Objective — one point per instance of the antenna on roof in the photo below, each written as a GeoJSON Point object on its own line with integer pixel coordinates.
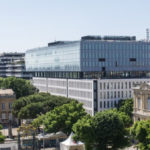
{"type": "Point", "coordinates": [147, 35]}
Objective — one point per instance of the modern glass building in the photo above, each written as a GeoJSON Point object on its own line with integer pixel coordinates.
{"type": "Point", "coordinates": [91, 70]}
{"type": "Point", "coordinates": [91, 57]}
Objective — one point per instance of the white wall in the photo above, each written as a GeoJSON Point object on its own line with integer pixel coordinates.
{"type": "Point", "coordinates": [112, 90]}
{"type": "Point", "coordinates": [109, 91]}
{"type": "Point", "coordinates": [81, 90]}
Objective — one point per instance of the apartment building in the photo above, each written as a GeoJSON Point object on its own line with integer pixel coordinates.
{"type": "Point", "coordinates": [13, 64]}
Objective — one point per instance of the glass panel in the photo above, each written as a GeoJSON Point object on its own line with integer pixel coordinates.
{"type": "Point", "coordinates": [61, 57]}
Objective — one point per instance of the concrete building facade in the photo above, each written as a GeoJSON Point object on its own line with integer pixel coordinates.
{"type": "Point", "coordinates": [141, 94]}
{"type": "Point", "coordinates": [7, 97]}
{"type": "Point", "coordinates": [95, 94]}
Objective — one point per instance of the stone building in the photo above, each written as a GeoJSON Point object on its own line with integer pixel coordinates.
{"type": "Point", "coordinates": [7, 97]}
{"type": "Point", "coordinates": [141, 97]}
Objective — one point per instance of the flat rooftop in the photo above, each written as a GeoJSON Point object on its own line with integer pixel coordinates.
{"type": "Point", "coordinates": [6, 92]}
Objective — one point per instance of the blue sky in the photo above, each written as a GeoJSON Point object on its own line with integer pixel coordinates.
{"type": "Point", "coordinates": [25, 24]}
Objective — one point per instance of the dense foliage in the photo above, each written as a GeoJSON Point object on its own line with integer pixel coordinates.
{"type": "Point", "coordinates": [84, 131]}
{"type": "Point", "coordinates": [141, 132]}
{"type": "Point", "coordinates": [30, 106]}
{"type": "Point", "coordinates": [127, 120]}
{"type": "Point", "coordinates": [21, 87]}
{"type": "Point", "coordinates": [2, 137]}
{"type": "Point", "coordinates": [126, 106]}
{"type": "Point", "coordinates": [62, 118]}
{"type": "Point", "coordinates": [104, 129]}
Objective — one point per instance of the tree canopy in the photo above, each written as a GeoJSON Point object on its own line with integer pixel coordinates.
{"type": "Point", "coordinates": [2, 137]}
{"type": "Point", "coordinates": [104, 129]}
{"type": "Point", "coordinates": [62, 118]}
{"type": "Point", "coordinates": [141, 132]}
{"type": "Point", "coordinates": [127, 120]}
{"type": "Point", "coordinates": [126, 106]}
{"type": "Point", "coordinates": [84, 131]}
{"type": "Point", "coordinates": [20, 86]}
{"type": "Point", "coordinates": [30, 106]}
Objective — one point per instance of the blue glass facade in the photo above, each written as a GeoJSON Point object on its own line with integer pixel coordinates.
{"type": "Point", "coordinates": [91, 58]}
{"type": "Point", "coordinates": [115, 55]}
{"type": "Point", "coordinates": [61, 57]}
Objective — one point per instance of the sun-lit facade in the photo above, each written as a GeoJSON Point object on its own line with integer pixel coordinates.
{"type": "Point", "coordinates": [91, 57]}
{"type": "Point", "coordinates": [96, 71]}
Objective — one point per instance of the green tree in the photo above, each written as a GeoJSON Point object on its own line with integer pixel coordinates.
{"type": "Point", "coordinates": [63, 117]}
{"type": "Point", "coordinates": [141, 132]}
{"type": "Point", "coordinates": [84, 131]}
{"type": "Point", "coordinates": [30, 106]}
{"type": "Point", "coordinates": [31, 111]}
{"type": "Point", "coordinates": [126, 106]}
{"type": "Point", "coordinates": [20, 86]}
{"type": "Point", "coordinates": [2, 137]}
{"type": "Point", "coordinates": [27, 100]}
{"type": "Point", "coordinates": [127, 120]}
{"type": "Point", "coordinates": [38, 121]}
{"type": "Point", "coordinates": [104, 129]}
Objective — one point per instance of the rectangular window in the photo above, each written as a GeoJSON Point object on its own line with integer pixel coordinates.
{"type": "Point", "coordinates": [122, 85]}
{"type": "Point", "coordinates": [104, 95]}
{"type": "Point", "coordinates": [139, 103]}
{"type": "Point", "coordinates": [111, 104]}
{"type": "Point", "coordinates": [10, 105]}
{"type": "Point", "coordinates": [100, 95]}
{"type": "Point", "coordinates": [122, 94]}
{"type": "Point", "coordinates": [107, 104]}
{"type": "Point", "coordinates": [118, 85]}
{"type": "Point", "coordinates": [101, 59]}
{"type": "Point", "coordinates": [3, 116]}
{"type": "Point", "coordinates": [114, 85]}
{"type": "Point", "coordinates": [104, 86]}
{"type": "Point", "coordinates": [100, 104]}
{"type": "Point", "coordinates": [3, 106]}
{"type": "Point", "coordinates": [100, 85]}
{"type": "Point", "coordinates": [115, 94]}
{"type": "Point", "coordinates": [126, 85]}
{"type": "Point", "coordinates": [118, 94]}
{"type": "Point", "coordinates": [108, 95]}
{"type": "Point", "coordinates": [111, 94]}
{"type": "Point", "coordinates": [132, 59]}
{"type": "Point", "coordinates": [104, 104]}
{"type": "Point", "coordinates": [129, 85]}
{"type": "Point", "coordinates": [107, 85]}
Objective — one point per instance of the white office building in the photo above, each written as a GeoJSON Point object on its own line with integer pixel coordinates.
{"type": "Point", "coordinates": [95, 94]}
{"type": "Point", "coordinates": [97, 71]}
